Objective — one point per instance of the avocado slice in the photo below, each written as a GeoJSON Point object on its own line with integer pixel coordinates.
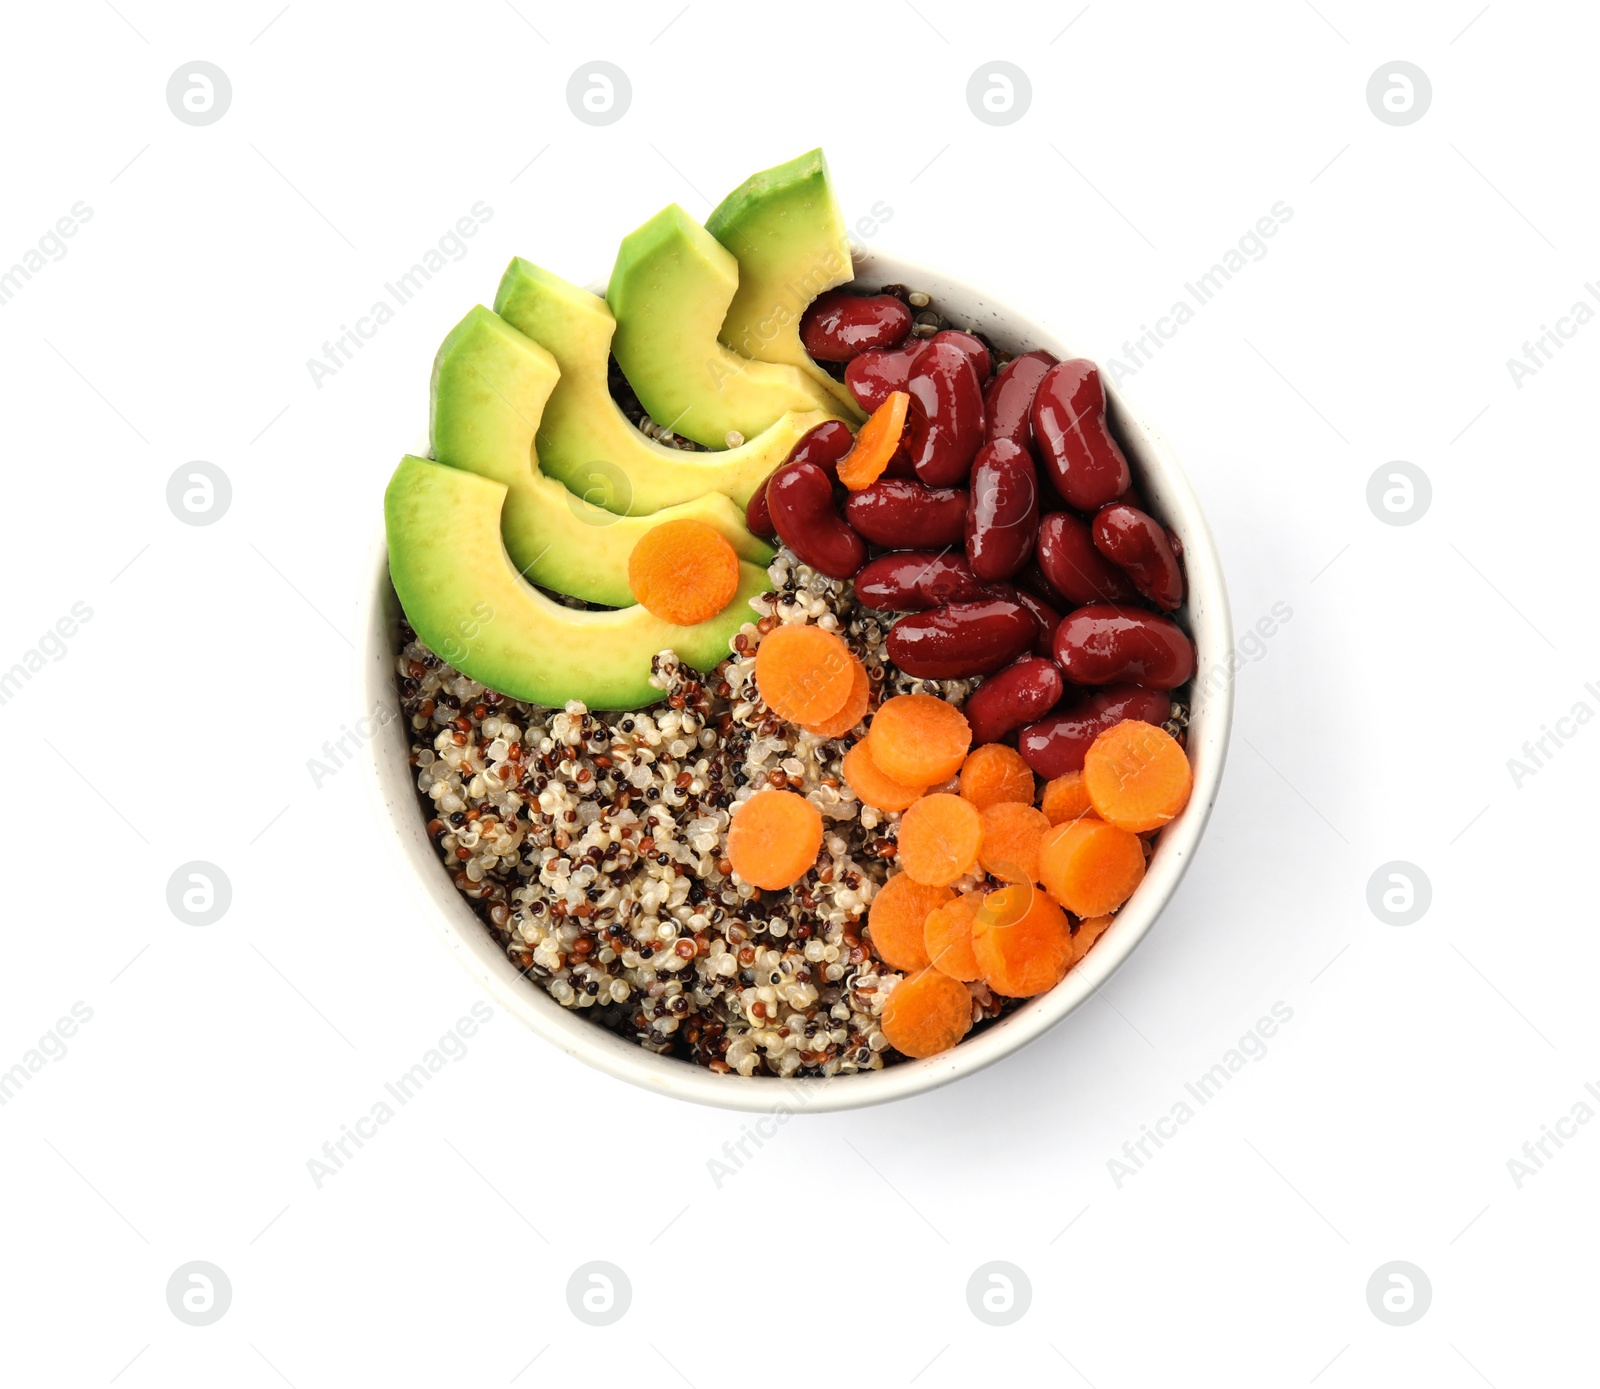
{"type": "Point", "coordinates": [670, 290]}
{"type": "Point", "coordinates": [468, 603]}
{"type": "Point", "coordinates": [490, 384]}
{"type": "Point", "coordinates": [587, 442]}
{"type": "Point", "coordinates": [785, 229]}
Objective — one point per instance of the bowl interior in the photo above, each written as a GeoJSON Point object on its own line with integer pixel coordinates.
{"type": "Point", "coordinates": [1204, 614]}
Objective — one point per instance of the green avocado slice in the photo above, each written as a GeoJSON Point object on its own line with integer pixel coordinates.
{"type": "Point", "coordinates": [785, 229]}
{"type": "Point", "coordinates": [490, 385]}
{"type": "Point", "coordinates": [469, 605]}
{"type": "Point", "coordinates": [584, 438]}
{"type": "Point", "coordinates": [670, 290]}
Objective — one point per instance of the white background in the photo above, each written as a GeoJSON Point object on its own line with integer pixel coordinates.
{"type": "Point", "coordinates": [1376, 726]}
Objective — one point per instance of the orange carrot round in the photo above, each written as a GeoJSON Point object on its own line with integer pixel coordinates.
{"type": "Point", "coordinates": [897, 918]}
{"type": "Point", "coordinates": [863, 776]}
{"type": "Point", "coordinates": [875, 444]}
{"type": "Point", "coordinates": [1021, 941]}
{"type": "Point", "coordinates": [1011, 837]}
{"type": "Point", "coordinates": [773, 838]}
{"type": "Point", "coordinates": [947, 934]}
{"type": "Point", "coordinates": [918, 739]}
{"type": "Point", "coordinates": [994, 772]}
{"type": "Point", "coordinates": [939, 838]}
{"type": "Point", "coordinates": [803, 673]}
{"type": "Point", "coordinates": [683, 572]}
{"type": "Point", "coordinates": [1064, 798]}
{"type": "Point", "coordinates": [854, 708]}
{"type": "Point", "coordinates": [1137, 776]}
{"type": "Point", "coordinates": [927, 1013]}
{"type": "Point", "coordinates": [1090, 867]}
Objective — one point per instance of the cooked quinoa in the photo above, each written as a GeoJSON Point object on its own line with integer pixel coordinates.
{"type": "Point", "coordinates": [594, 846]}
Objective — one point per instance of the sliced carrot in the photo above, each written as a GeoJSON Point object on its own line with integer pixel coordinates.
{"type": "Point", "coordinates": [994, 772]}
{"type": "Point", "coordinates": [1090, 867]}
{"type": "Point", "coordinates": [683, 572]}
{"type": "Point", "coordinates": [927, 1013]}
{"type": "Point", "coordinates": [896, 919]}
{"type": "Point", "coordinates": [939, 838]}
{"type": "Point", "coordinates": [803, 673]}
{"type": "Point", "coordinates": [1011, 837]}
{"type": "Point", "coordinates": [1021, 941]}
{"type": "Point", "coordinates": [875, 444]}
{"type": "Point", "coordinates": [1137, 776]}
{"type": "Point", "coordinates": [863, 776]}
{"type": "Point", "coordinates": [773, 838]}
{"type": "Point", "coordinates": [855, 705]}
{"type": "Point", "coordinates": [947, 934]}
{"type": "Point", "coordinates": [919, 739]}
{"type": "Point", "coordinates": [1086, 933]}
{"type": "Point", "coordinates": [1064, 799]}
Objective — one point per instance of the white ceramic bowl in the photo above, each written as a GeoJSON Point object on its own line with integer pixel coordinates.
{"type": "Point", "coordinates": [1205, 615]}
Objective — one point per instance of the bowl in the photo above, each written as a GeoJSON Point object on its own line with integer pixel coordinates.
{"type": "Point", "coordinates": [1204, 614]}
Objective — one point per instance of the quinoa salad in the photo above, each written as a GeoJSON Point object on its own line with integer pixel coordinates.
{"type": "Point", "coordinates": [820, 728]}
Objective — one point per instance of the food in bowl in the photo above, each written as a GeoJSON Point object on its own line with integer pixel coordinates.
{"type": "Point", "coordinates": [793, 676]}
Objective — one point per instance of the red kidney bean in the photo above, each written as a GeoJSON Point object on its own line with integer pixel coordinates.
{"type": "Point", "coordinates": [874, 376]}
{"type": "Point", "coordinates": [1008, 403]}
{"type": "Point", "coordinates": [1069, 427]}
{"type": "Point", "coordinates": [1055, 745]}
{"type": "Point", "coordinates": [801, 501]}
{"type": "Point", "coordinates": [1176, 541]}
{"type": "Point", "coordinates": [902, 514]}
{"type": "Point", "coordinates": [1024, 691]}
{"type": "Point", "coordinates": [1078, 571]}
{"type": "Point", "coordinates": [946, 416]}
{"type": "Point", "coordinates": [961, 639]}
{"type": "Point", "coordinates": [977, 352]}
{"type": "Point", "coordinates": [825, 445]}
{"type": "Point", "coordinates": [1047, 618]}
{"type": "Point", "coordinates": [912, 580]}
{"type": "Point", "coordinates": [840, 325]}
{"type": "Point", "coordinates": [1136, 541]}
{"type": "Point", "coordinates": [1002, 510]}
{"type": "Point", "coordinates": [1105, 643]}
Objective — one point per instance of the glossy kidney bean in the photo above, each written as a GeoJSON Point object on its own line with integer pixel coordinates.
{"type": "Point", "coordinates": [902, 514]}
{"type": "Point", "coordinates": [1136, 542]}
{"type": "Point", "coordinates": [961, 639]}
{"type": "Point", "coordinates": [912, 580]}
{"type": "Point", "coordinates": [1105, 643]}
{"type": "Point", "coordinates": [800, 497]}
{"type": "Point", "coordinates": [1069, 426]}
{"type": "Point", "coordinates": [1055, 745]}
{"type": "Point", "coordinates": [1047, 618]}
{"type": "Point", "coordinates": [975, 348]}
{"type": "Point", "coordinates": [1002, 510]}
{"type": "Point", "coordinates": [825, 445]}
{"type": "Point", "coordinates": [840, 325]}
{"type": "Point", "coordinates": [1008, 403]}
{"type": "Point", "coordinates": [1074, 568]}
{"type": "Point", "coordinates": [945, 424]}
{"type": "Point", "coordinates": [1024, 691]}
{"type": "Point", "coordinates": [874, 376]}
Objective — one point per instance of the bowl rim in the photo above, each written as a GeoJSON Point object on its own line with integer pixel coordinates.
{"type": "Point", "coordinates": [1205, 614]}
